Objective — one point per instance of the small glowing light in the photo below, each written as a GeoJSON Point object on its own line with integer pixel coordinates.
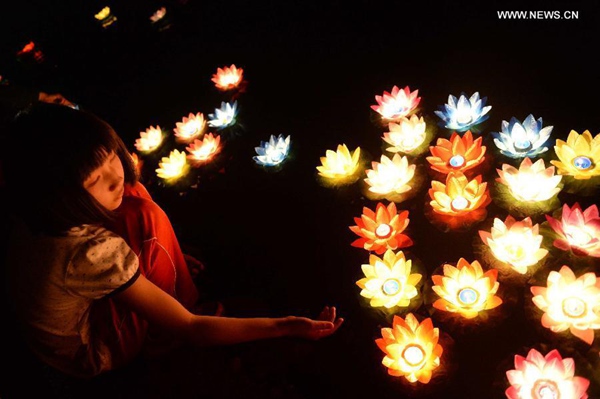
{"type": "Point", "coordinates": [574, 307]}
{"type": "Point", "coordinates": [391, 286]}
{"type": "Point", "coordinates": [523, 144]}
{"type": "Point", "coordinates": [370, 221]}
{"type": "Point", "coordinates": [457, 161]}
{"type": "Point", "coordinates": [578, 230]}
{"type": "Point", "coordinates": [460, 114]}
{"type": "Point", "coordinates": [397, 104]}
{"type": "Point", "coordinates": [459, 203]}
{"type": "Point", "coordinates": [204, 150]}
{"type": "Point", "coordinates": [149, 140]}
{"type": "Point", "coordinates": [457, 154]}
{"type": "Point", "coordinates": [383, 230]}
{"type": "Point", "coordinates": [582, 163]}
{"type": "Point", "coordinates": [105, 17]}
{"type": "Point", "coordinates": [228, 78]}
{"type": "Point", "coordinates": [224, 116]}
{"type": "Point", "coordinates": [158, 15]}
{"type": "Point", "coordinates": [173, 167]}
{"type": "Point", "coordinates": [546, 390]}
{"type": "Point", "coordinates": [576, 156]}
{"type": "Point", "coordinates": [468, 296]}
{"type": "Point", "coordinates": [272, 152]}
{"type": "Point", "coordinates": [413, 355]}
{"type": "Point", "coordinates": [190, 128]}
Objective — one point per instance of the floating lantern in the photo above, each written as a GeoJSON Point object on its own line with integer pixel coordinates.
{"type": "Point", "coordinates": [517, 243]}
{"type": "Point", "coordinates": [228, 78]}
{"type": "Point", "coordinates": [190, 128]}
{"type": "Point", "coordinates": [272, 152]}
{"type": "Point", "coordinates": [224, 116]}
{"type": "Point", "coordinates": [406, 135]}
{"type": "Point", "coordinates": [173, 167]}
{"type": "Point", "coordinates": [339, 164]}
{"type": "Point", "coordinates": [158, 15]}
{"type": "Point", "coordinates": [202, 151]}
{"type": "Point", "coordinates": [531, 182]}
{"type": "Point", "coordinates": [578, 231]}
{"type": "Point", "coordinates": [459, 195]}
{"type": "Point", "coordinates": [397, 104]}
{"type": "Point", "coordinates": [570, 303]}
{"type": "Point", "coordinates": [458, 154]}
{"type": "Point", "coordinates": [466, 289]}
{"type": "Point", "coordinates": [390, 175]}
{"type": "Point", "coordinates": [105, 17]}
{"type": "Point", "coordinates": [579, 156]}
{"type": "Point", "coordinates": [388, 282]}
{"type": "Point", "coordinates": [527, 139]}
{"type": "Point", "coordinates": [32, 50]}
{"type": "Point", "coordinates": [411, 348]}
{"type": "Point", "coordinates": [464, 113]}
{"type": "Point", "coordinates": [149, 140]}
{"type": "Point", "coordinates": [545, 377]}
{"type": "Point", "coordinates": [382, 229]}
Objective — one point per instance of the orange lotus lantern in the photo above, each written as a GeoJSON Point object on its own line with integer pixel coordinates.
{"type": "Point", "coordinates": [388, 281]}
{"type": "Point", "coordinates": [570, 303]}
{"type": "Point", "coordinates": [149, 140]}
{"type": "Point", "coordinates": [390, 175]}
{"type": "Point", "coordinates": [190, 128]}
{"type": "Point", "coordinates": [228, 78]}
{"type": "Point", "coordinates": [406, 135]}
{"type": "Point", "coordinates": [381, 229]}
{"type": "Point", "coordinates": [173, 167]}
{"type": "Point", "coordinates": [532, 182]}
{"type": "Point", "coordinates": [397, 104]}
{"type": "Point", "coordinates": [411, 348]}
{"type": "Point", "coordinates": [459, 195]}
{"type": "Point", "coordinates": [340, 165]}
{"type": "Point", "coordinates": [466, 289]}
{"type": "Point", "coordinates": [202, 151]}
{"type": "Point", "coordinates": [458, 154]}
{"type": "Point", "coordinates": [541, 377]}
{"type": "Point", "coordinates": [517, 243]}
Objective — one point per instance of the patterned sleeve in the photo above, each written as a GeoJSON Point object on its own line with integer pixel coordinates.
{"type": "Point", "coordinates": [103, 264]}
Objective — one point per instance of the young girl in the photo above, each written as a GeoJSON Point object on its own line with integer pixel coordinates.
{"type": "Point", "coordinates": [95, 271]}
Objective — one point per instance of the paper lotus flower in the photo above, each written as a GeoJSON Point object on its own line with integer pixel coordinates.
{"type": "Point", "coordinates": [517, 243]}
{"type": "Point", "coordinates": [272, 152]}
{"type": "Point", "coordinates": [466, 289]}
{"type": "Point", "coordinates": [340, 163]}
{"type": "Point", "coordinates": [158, 15]}
{"type": "Point", "coordinates": [459, 195]}
{"type": "Point", "coordinates": [527, 139]}
{"type": "Point", "coordinates": [382, 229]}
{"type": "Point", "coordinates": [203, 150]}
{"type": "Point", "coordinates": [579, 156]}
{"type": "Point", "coordinates": [228, 78]}
{"type": "Point", "coordinates": [579, 231]}
{"type": "Point", "coordinates": [457, 154]}
{"type": "Point", "coordinates": [463, 113]}
{"type": "Point", "coordinates": [149, 140]}
{"type": "Point", "coordinates": [105, 17]}
{"type": "Point", "coordinates": [173, 166]}
{"type": "Point", "coordinates": [390, 175]}
{"type": "Point", "coordinates": [531, 182]}
{"type": "Point", "coordinates": [224, 116]}
{"type": "Point", "coordinates": [570, 303]}
{"type": "Point", "coordinates": [540, 377]}
{"type": "Point", "coordinates": [406, 135]}
{"type": "Point", "coordinates": [397, 104]}
{"type": "Point", "coordinates": [190, 128]}
{"type": "Point", "coordinates": [388, 281]}
{"type": "Point", "coordinates": [411, 348]}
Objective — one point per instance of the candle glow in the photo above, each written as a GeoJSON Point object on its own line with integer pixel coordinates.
{"type": "Point", "coordinates": [397, 104]}
{"type": "Point", "coordinates": [390, 175]}
{"type": "Point", "coordinates": [201, 151]}
{"type": "Point", "coordinates": [463, 113]}
{"type": "Point", "coordinates": [149, 140]}
{"type": "Point", "coordinates": [578, 231]}
{"type": "Point", "coordinates": [190, 128]}
{"type": "Point", "coordinates": [527, 139]}
{"type": "Point", "coordinates": [105, 17]}
{"type": "Point", "coordinates": [339, 164]}
{"type": "Point", "coordinates": [173, 167]}
{"type": "Point", "coordinates": [228, 78]}
{"type": "Point", "coordinates": [224, 116]}
{"type": "Point", "coordinates": [579, 156]}
{"type": "Point", "coordinates": [531, 182]}
{"type": "Point", "coordinates": [458, 154]}
{"type": "Point", "coordinates": [570, 303]}
{"type": "Point", "coordinates": [381, 229]}
{"type": "Point", "coordinates": [459, 195]}
{"type": "Point", "coordinates": [158, 15]}
{"type": "Point", "coordinates": [406, 135]}
{"type": "Point", "coordinates": [272, 152]}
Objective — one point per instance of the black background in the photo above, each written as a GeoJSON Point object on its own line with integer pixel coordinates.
{"type": "Point", "coordinates": [278, 243]}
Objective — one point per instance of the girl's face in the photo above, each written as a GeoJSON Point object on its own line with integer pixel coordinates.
{"type": "Point", "coordinates": [106, 183]}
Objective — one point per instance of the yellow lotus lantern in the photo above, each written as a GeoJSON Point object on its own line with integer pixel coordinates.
{"type": "Point", "coordinates": [340, 165]}
{"type": "Point", "coordinates": [190, 128]}
{"type": "Point", "coordinates": [149, 140]}
{"type": "Point", "coordinates": [517, 243]}
{"type": "Point", "coordinates": [411, 348]}
{"type": "Point", "coordinates": [381, 229]}
{"type": "Point", "coordinates": [390, 175]}
{"type": "Point", "coordinates": [204, 150]}
{"type": "Point", "coordinates": [570, 303]}
{"type": "Point", "coordinates": [459, 154]}
{"type": "Point", "coordinates": [228, 78]}
{"type": "Point", "coordinates": [466, 289]}
{"type": "Point", "coordinates": [388, 281]}
{"type": "Point", "coordinates": [105, 17]}
{"type": "Point", "coordinates": [406, 135]}
{"type": "Point", "coordinates": [459, 196]}
{"type": "Point", "coordinates": [173, 167]}
{"type": "Point", "coordinates": [579, 156]}
{"type": "Point", "coordinates": [532, 182]}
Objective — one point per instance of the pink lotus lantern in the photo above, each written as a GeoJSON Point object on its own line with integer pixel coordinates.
{"type": "Point", "coordinates": [397, 104]}
{"type": "Point", "coordinates": [190, 128]}
{"type": "Point", "coordinates": [578, 231]}
{"type": "Point", "coordinates": [202, 151]}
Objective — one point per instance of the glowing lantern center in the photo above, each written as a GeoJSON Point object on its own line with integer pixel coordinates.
{"type": "Point", "coordinates": [274, 154]}
{"type": "Point", "coordinates": [523, 144]}
{"type": "Point", "coordinates": [582, 163]}
{"type": "Point", "coordinates": [459, 203]}
{"type": "Point", "coordinates": [577, 236]}
{"type": "Point", "coordinates": [410, 143]}
{"type": "Point", "coordinates": [574, 307]}
{"type": "Point", "coordinates": [468, 296]}
{"type": "Point", "coordinates": [463, 116]}
{"type": "Point", "coordinates": [457, 161]}
{"type": "Point", "coordinates": [413, 355]}
{"type": "Point", "coordinates": [383, 230]}
{"type": "Point", "coordinates": [515, 251]}
{"type": "Point", "coordinates": [205, 151]}
{"type": "Point", "coordinates": [391, 286]}
{"type": "Point", "coordinates": [545, 389]}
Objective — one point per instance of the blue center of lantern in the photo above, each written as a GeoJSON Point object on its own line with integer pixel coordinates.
{"type": "Point", "coordinates": [457, 161]}
{"type": "Point", "coordinates": [467, 296]}
{"type": "Point", "coordinates": [522, 145]}
{"type": "Point", "coordinates": [391, 286]}
{"type": "Point", "coordinates": [582, 163]}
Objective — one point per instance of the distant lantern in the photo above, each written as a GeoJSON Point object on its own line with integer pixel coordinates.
{"type": "Point", "coordinates": [149, 140]}
{"type": "Point", "coordinates": [202, 151]}
{"type": "Point", "coordinates": [173, 167]}
{"type": "Point", "coordinates": [105, 17]}
{"type": "Point", "coordinates": [272, 152]}
{"type": "Point", "coordinates": [190, 128]}
{"type": "Point", "coordinates": [394, 105]}
{"type": "Point", "coordinates": [228, 77]}
{"type": "Point", "coordinates": [224, 116]}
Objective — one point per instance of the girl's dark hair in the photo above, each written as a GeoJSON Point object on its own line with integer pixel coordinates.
{"type": "Point", "coordinates": [62, 146]}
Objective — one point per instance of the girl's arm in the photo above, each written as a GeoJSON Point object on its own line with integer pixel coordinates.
{"type": "Point", "coordinates": [162, 310]}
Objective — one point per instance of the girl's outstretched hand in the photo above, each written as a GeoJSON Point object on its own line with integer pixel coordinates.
{"type": "Point", "coordinates": [303, 327]}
